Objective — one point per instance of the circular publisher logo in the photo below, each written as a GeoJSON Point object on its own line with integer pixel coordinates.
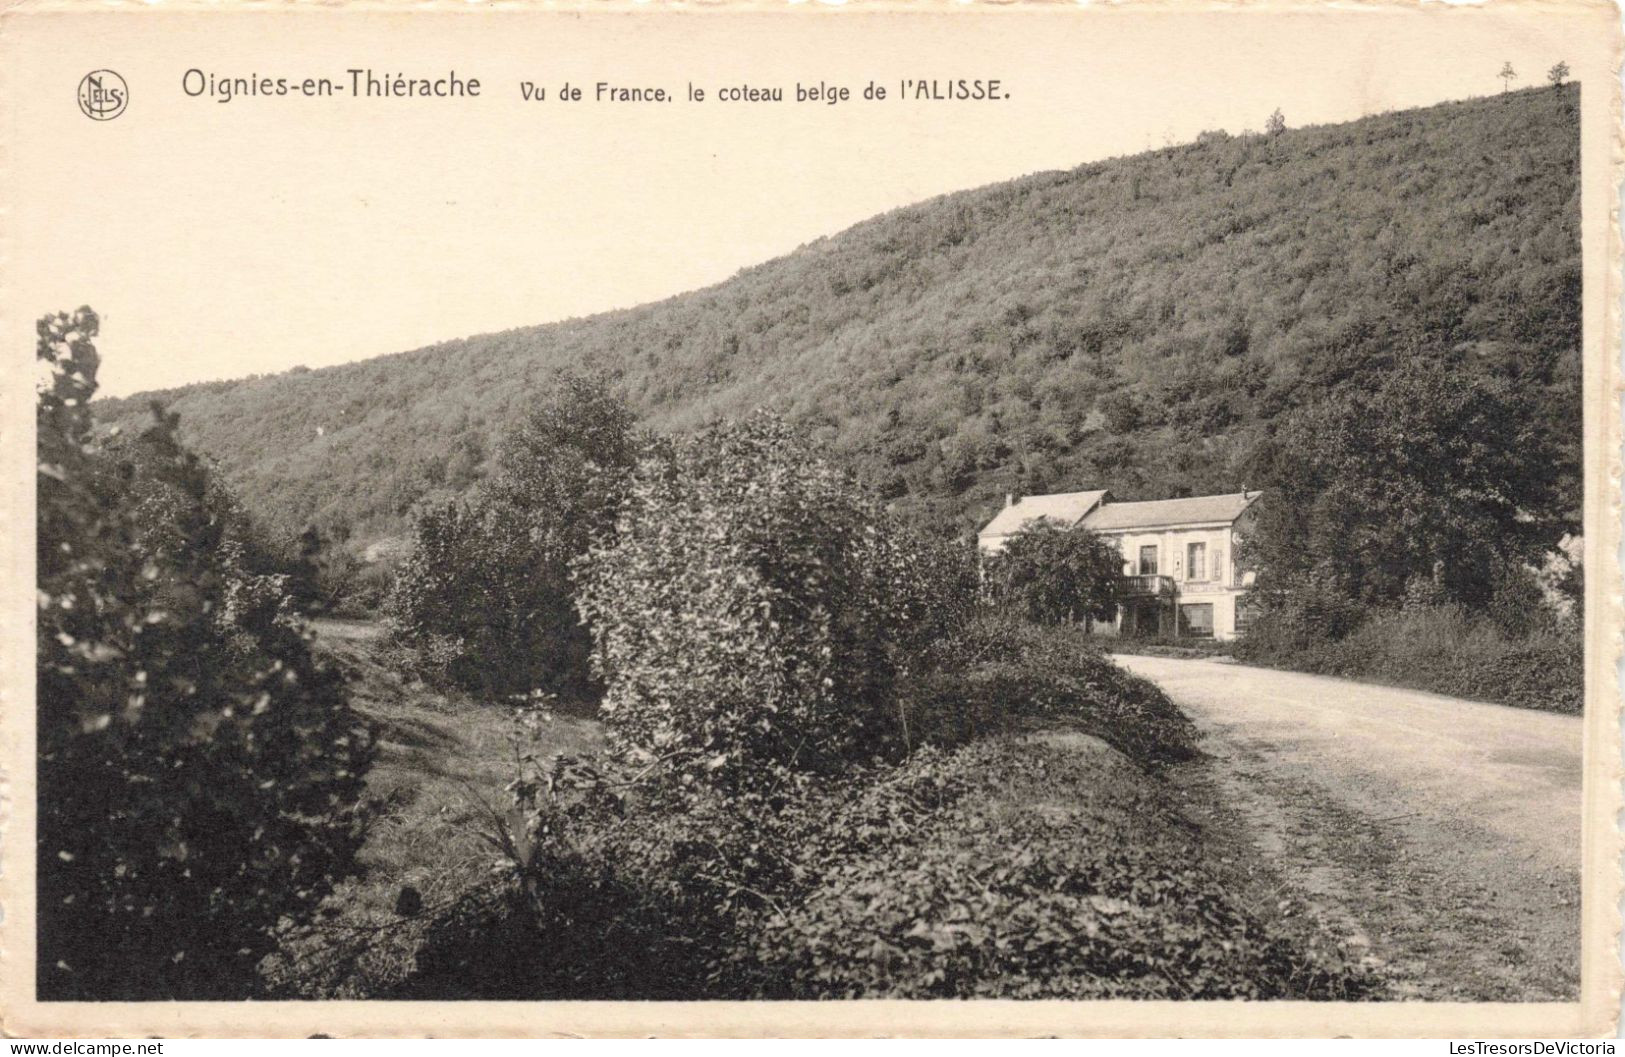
{"type": "Point", "coordinates": [103, 95]}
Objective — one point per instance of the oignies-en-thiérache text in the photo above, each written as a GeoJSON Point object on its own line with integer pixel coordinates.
{"type": "Point", "coordinates": [362, 83]}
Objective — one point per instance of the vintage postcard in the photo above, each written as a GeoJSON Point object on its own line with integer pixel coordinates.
{"type": "Point", "coordinates": [843, 520]}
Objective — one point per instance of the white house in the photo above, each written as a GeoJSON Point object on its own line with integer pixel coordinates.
{"type": "Point", "coordinates": [1179, 555]}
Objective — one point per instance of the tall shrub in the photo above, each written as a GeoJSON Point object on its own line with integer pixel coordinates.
{"type": "Point", "coordinates": [199, 772]}
{"type": "Point", "coordinates": [755, 612]}
{"type": "Point", "coordinates": [1051, 576]}
{"type": "Point", "coordinates": [484, 599]}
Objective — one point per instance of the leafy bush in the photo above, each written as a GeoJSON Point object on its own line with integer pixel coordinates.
{"type": "Point", "coordinates": [1517, 605]}
{"type": "Point", "coordinates": [604, 890]}
{"type": "Point", "coordinates": [477, 607]}
{"type": "Point", "coordinates": [484, 600]}
{"type": "Point", "coordinates": [1447, 650]}
{"type": "Point", "coordinates": [755, 612]}
{"type": "Point", "coordinates": [755, 617]}
{"type": "Point", "coordinates": [353, 588]}
{"type": "Point", "coordinates": [1055, 576]}
{"type": "Point", "coordinates": [1297, 621]}
{"type": "Point", "coordinates": [329, 577]}
{"type": "Point", "coordinates": [198, 772]}
{"type": "Point", "coordinates": [1002, 673]}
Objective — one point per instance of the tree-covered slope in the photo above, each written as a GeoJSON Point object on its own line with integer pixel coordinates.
{"type": "Point", "coordinates": [1135, 324]}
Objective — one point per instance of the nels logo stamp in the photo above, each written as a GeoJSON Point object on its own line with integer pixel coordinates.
{"type": "Point", "coordinates": [103, 95]}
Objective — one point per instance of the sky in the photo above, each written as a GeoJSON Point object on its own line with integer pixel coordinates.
{"type": "Point", "coordinates": [219, 240]}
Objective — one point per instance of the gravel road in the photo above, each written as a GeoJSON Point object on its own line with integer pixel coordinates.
{"type": "Point", "coordinates": [1439, 835]}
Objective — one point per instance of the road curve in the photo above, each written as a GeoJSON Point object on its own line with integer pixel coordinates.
{"type": "Point", "coordinates": [1441, 834]}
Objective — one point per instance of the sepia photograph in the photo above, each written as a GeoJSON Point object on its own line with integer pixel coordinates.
{"type": "Point", "coordinates": [744, 511]}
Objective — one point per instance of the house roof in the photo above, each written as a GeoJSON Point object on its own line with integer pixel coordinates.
{"type": "Point", "coordinates": [1064, 509]}
{"type": "Point", "coordinates": [1196, 510]}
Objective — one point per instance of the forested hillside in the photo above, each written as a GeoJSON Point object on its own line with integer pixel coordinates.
{"type": "Point", "coordinates": [1135, 324]}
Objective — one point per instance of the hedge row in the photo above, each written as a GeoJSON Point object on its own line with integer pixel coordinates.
{"type": "Point", "coordinates": [1445, 650]}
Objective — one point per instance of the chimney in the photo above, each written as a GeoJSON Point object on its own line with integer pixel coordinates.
{"type": "Point", "coordinates": [1009, 500]}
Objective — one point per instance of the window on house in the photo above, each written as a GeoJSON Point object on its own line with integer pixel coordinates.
{"type": "Point", "coordinates": [1148, 560]}
{"type": "Point", "coordinates": [1196, 619]}
{"type": "Point", "coordinates": [1196, 561]}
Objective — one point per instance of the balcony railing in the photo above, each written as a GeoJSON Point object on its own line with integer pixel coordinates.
{"type": "Point", "coordinates": [1148, 585]}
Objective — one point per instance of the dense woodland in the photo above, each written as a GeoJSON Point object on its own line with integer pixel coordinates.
{"type": "Point", "coordinates": [1140, 324]}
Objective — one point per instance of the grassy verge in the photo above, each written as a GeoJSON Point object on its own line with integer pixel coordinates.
{"type": "Point", "coordinates": [442, 759]}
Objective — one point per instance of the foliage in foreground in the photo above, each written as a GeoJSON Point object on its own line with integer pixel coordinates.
{"type": "Point", "coordinates": [1011, 868]}
{"type": "Point", "coordinates": [198, 772]}
{"type": "Point", "coordinates": [443, 759]}
{"type": "Point", "coordinates": [1026, 869]}
{"type": "Point", "coordinates": [667, 882]}
{"type": "Point", "coordinates": [632, 876]}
